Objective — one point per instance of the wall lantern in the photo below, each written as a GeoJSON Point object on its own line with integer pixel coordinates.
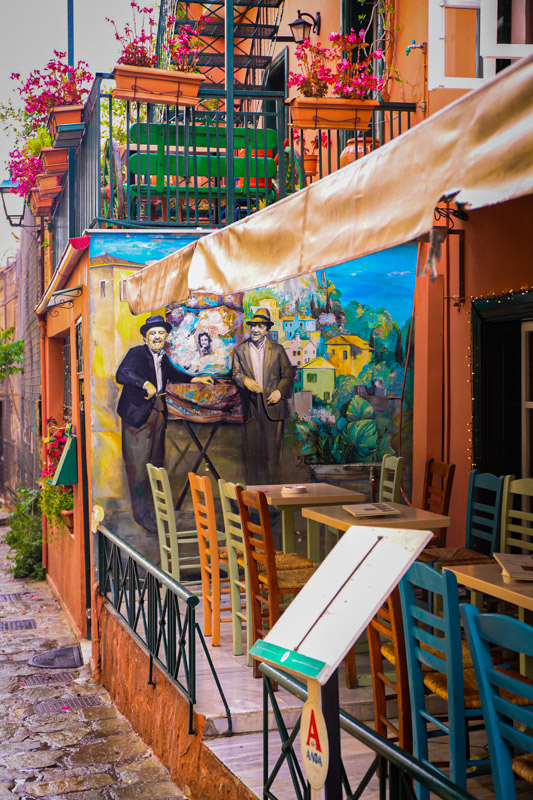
{"type": "Point", "coordinates": [13, 203]}
{"type": "Point", "coordinates": [301, 29]}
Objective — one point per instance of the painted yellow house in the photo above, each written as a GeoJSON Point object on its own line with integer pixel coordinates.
{"type": "Point", "coordinates": [318, 377]}
{"type": "Point", "coordinates": [348, 354]}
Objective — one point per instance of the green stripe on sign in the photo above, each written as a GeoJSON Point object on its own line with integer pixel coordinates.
{"type": "Point", "coordinates": [288, 659]}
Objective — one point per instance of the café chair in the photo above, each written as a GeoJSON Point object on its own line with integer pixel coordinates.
{"type": "Point", "coordinates": [438, 481]}
{"type": "Point", "coordinates": [238, 567]}
{"type": "Point", "coordinates": [386, 645]}
{"type": "Point", "coordinates": [390, 480]}
{"type": "Point", "coordinates": [506, 696]}
{"type": "Point", "coordinates": [213, 556]}
{"type": "Point", "coordinates": [517, 515]}
{"type": "Point", "coordinates": [171, 541]}
{"type": "Point", "coordinates": [269, 587]}
{"type": "Point", "coordinates": [435, 666]}
{"type": "Point", "coordinates": [483, 524]}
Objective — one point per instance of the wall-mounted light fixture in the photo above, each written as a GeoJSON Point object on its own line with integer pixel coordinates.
{"type": "Point", "coordinates": [301, 28]}
{"type": "Point", "coordinates": [13, 203]}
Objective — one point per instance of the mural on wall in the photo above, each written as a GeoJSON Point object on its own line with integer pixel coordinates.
{"type": "Point", "coordinates": [334, 387]}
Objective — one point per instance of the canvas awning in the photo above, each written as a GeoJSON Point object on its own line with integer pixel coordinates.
{"type": "Point", "coordinates": [478, 150]}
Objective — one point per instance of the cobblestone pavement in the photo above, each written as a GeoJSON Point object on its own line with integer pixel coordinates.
{"type": "Point", "coordinates": [60, 735]}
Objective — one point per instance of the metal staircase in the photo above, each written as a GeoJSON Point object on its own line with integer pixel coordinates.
{"type": "Point", "coordinates": [256, 23]}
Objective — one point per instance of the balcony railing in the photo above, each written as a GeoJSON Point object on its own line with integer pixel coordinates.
{"type": "Point", "coordinates": [164, 166]}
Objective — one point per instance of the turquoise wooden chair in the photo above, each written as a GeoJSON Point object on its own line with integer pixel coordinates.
{"type": "Point", "coordinates": [508, 721]}
{"type": "Point", "coordinates": [483, 524]}
{"type": "Point", "coordinates": [390, 481]}
{"type": "Point", "coordinates": [438, 662]}
{"type": "Point", "coordinates": [172, 543]}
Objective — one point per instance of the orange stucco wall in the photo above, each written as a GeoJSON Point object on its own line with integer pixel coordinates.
{"type": "Point", "coordinates": [65, 551]}
{"type": "Point", "coordinates": [497, 261]}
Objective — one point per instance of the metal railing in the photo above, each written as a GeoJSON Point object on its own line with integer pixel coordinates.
{"type": "Point", "coordinates": [159, 613]}
{"type": "Point", "coordinates": [141, 164]}
{"type": "Point", "coordinates": [395, 769]}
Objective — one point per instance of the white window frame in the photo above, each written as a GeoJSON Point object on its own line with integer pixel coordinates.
{"type": "Point", "coordinates": [436, 47]}
{"type": "Point", "coordinates": [488, 35]}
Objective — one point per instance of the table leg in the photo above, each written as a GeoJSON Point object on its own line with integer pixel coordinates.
{"type": "Point", "coordinates": [313, 540]}
{"type": "Point", "coordinates": [526, 662]}
{"type": "Point", "coordinates": [287, 530]}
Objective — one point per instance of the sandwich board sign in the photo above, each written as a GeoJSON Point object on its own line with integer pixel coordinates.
{"type": "Point", "coordinates": [321, 624]}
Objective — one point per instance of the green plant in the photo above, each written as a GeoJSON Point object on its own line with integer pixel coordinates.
{"type": "Point", "coordinates": [25, 536]}
{"type": "Point", "coordinates": [54, 500]}
{"type": "Point", "coordinates": [11, 353]}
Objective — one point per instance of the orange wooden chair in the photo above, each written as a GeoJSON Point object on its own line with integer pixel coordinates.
{"type": "Point", "coordinates": [212, 556]}
{"type": "Point", "coordinates": [386, 644]}
{"type": "Point", "coordinates": [268, 586]}
{"type": "Point", "coordinates": [438, 483]}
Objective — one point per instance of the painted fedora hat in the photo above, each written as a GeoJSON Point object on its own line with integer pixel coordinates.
{"type": "Point", "coordinates": [262, 315]}
{"type": "Point", "coordinates": [157, 321]}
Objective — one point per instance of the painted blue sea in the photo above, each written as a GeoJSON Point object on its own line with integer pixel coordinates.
{"type": "Point", "coordinates": [381, 280]}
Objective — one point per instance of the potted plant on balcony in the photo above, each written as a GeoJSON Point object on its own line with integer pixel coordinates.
{"type": "Point", "coordinates": [26, 171]}
{"type": "Point", "coordinates": [346, 69]}
{"type": "Point", "coordinates": [136, 75]}
{"type": "Point", "coordinates": [55, 94]}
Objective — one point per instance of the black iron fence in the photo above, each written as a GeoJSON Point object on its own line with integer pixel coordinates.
{"type": "Point", "coordinates": [145, 165]}
{"type": "Point", "coordinates": [159, 612]}
{"type": "Point", "coordinates": [397, 772]}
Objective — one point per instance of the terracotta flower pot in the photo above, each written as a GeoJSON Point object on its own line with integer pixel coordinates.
{"type": "Point", "coordinates": [41, 206]}
{"type": "Point", "coordinates": [68, 519]}
{"type": "Point", "coordinates": [310, 164]}
{"type": "Point", "coordinates": [336, 113]}
{"type": "Point", "coordinates": [151, 85]}
{"type": "Point", "coordinates": [48, 185]}
{"type": "Point", "coordinates": [54, 160]}
{"type": "Point", "coordinates": [63, 115]}
{"type": "Point", "coordinates": [348, 154]}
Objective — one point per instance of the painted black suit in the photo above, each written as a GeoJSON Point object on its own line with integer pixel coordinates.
{"type": "Point", "coordinates": [144, 423]}
{"type": "Point", "coordinates": [263, 428]}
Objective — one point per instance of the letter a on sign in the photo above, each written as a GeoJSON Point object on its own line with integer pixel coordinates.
{"type": "Point", "coordinates": [314, 745]}
{"type": "Point", "coordinates": [313, 732]}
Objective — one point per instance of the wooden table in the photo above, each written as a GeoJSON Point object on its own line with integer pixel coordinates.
{"type": "Point", "coordinates": [318, 494]}
{"type": "Point", "coordinates": [407, 517]}
{"type": "Point", "coordinates": [488, 579]}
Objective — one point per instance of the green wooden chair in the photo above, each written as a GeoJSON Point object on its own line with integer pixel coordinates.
{"type": "Point", "coordinates": [391, 479]}
{"type": "Point", "coordinates": [517, 514]}
{"type": "Point", "coordinates": [239, 583]}
{"type": "Point", "coordinates": [171, 541]}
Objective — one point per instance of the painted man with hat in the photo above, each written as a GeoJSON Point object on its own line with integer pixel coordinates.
{"type": "Point", "coordinates": [144, 373]}
{"type": "Point", "coordinates": [264, 374]}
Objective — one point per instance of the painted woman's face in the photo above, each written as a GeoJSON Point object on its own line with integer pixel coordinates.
{"type": "Point", "coordinates": [155, 339]}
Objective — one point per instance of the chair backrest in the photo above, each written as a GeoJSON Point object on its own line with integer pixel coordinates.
{"type": "Point", "coordinates": [484, 512]}
{"type": "Point", "coordinates": [260, 557]}
{"type": "Point", "coordinates": [517, 514]}
{"type": "Point", "coordinates": [434, 642]}
{"type": "Point", "coordinates": [232, 518]}
{"type": "Point", "coordinates": [206, 524]}
{"type": "Point", "coordinates": [387, 627]}
{"type": "Point", "coordinates": [166, 521]}
{"type": "Point", "coordinates": [391, 479]}
{"type": "Point", "coordinates": [438, 481]}
{"type": "Point", "coordinates": [508, 724]}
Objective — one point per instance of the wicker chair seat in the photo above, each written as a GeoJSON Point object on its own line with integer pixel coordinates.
{"type": "Point", "coordinates": [387, 651]}
{"type": "Point", "coordinates": [290, 580]}
{"type": "Point", "coordinates": [523, 767]}
{"type": "Point", "coordinates": [447, 556]}
{"type": "Point", "coordinates": [436, 683]}
{"type": "Point", "coordinates": [285, 561]}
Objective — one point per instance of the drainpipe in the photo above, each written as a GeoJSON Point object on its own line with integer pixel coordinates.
{"type": "Point", "coordinates": [44, 414]}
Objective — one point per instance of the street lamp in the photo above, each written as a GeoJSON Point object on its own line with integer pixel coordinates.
{"type": "Point", "coordinates": [301, 29]}
{"type": "Point", "coordinates": [12, 203]}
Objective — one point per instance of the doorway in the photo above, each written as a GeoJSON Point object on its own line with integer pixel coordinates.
{"type": "Point", "coordinates": [503, 385]}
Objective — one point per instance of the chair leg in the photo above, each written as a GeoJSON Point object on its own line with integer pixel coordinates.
{"type": "Point", "coordinates": [215, 597]}
{"type": "Point", "coordinates": [350, 669]}
{"type": "Point", "coordinates": [236, 618]}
